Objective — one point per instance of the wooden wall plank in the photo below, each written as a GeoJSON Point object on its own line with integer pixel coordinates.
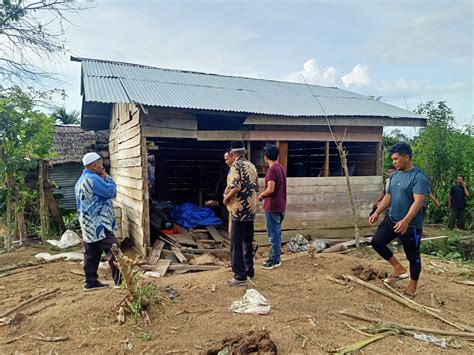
{"type": "Point", "coordinates": [134, 152]}
{"type": "Point", "coordinates": [125, 163]}
{"type": "Point", "coordinates": [150, 131]}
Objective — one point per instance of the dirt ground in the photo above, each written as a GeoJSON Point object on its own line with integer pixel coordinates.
{"type": "Point", "coordinates": [304, 311]}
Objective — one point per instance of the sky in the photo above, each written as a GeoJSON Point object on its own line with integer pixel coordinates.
{"type": "Point", "coordinates": [407, 52]}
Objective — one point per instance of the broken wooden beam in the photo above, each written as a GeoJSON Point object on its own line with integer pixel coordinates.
{"type": "Point", "coordinates": [182, 259]}
{"type": "Point", "coordinates": [182, 267]}
{"type": "Point", "coordinates": [156, 252]}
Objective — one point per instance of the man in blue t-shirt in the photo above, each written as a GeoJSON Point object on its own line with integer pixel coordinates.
{"type": "Point", "coordinates": [405, 198]}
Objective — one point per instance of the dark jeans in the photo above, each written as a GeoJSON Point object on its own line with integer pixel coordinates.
{"type": "Point", "coordinates": [273, 222]}
{"type": "Point", "coordinates": [241, 249]}
{"type": "Point", "coordinates": [92, 254]}
{"type": "Point", "coordinates": [410, 240]}
{"type": "Point", "coordinates": [457, 215]}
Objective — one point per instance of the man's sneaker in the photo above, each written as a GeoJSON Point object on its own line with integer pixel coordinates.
{"type": "Point", "coordinates": [94, 286]}
{"type": "Point", "coordinates": [270, 264]}
{"type": "Point", "coordinates": [235, 283]}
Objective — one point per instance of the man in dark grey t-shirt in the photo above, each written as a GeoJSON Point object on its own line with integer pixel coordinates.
{"type": "Point", "coordinates": [404, 198]}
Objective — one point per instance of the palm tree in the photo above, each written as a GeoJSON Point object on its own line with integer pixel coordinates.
{"type": "Point", "coordinates": [64, 117]}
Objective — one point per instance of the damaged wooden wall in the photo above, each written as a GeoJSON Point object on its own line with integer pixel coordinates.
{"type": "Point", "coordinates": [129, 171]}
{"type": "Point", "coordinates": [320, 206]}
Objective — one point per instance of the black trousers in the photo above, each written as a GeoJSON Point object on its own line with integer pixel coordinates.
{"type": "Point", "coordinates": [92, 254]}
{"type": "Point", "coordinates": [410, 240]}
{"type": "Point", "coordinates": [241, 249]}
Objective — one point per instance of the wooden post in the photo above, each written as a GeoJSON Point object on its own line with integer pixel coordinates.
{"type": "Point", "coordinates": [379, 160]}
{"type": "Point", "coordinates": [249, 151]}
{"type": "Point", "coordinates": [326, 160]}
{"type": "Point", "coordinates": [44, 215]}
{"type": "Point", "coordinates": [146, 198]}
{"type": "Point", "coordinates": [283, 158]}
{"type": "Point", "coordinates": [343, 156]}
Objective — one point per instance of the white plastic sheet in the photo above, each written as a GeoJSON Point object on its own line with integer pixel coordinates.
{"type": "Point", "coordinates": [68, 256]}
{"type": "Point", "coordinates": [431, 339]}
{"type": "Point", "coordinates": [68, 239]}
{"type": "Point", "coordinates": [252, 303]}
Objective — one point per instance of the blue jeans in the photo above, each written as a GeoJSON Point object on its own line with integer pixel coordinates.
{"type": "Point", "coordinates": [273, 222]}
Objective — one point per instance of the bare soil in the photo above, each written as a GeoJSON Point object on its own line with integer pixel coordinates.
{"type": "Point", "coordinates": [304, 317]}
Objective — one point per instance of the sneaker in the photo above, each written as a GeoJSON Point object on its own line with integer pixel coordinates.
{"type": "Point", "coordinates": [270, 264]}
{"type": "Point", "coordinates": [235, 283]}
{"type": "Point", "coordinates": [95, 286]}
{"type": "Point", "coordinates": [117, 287]}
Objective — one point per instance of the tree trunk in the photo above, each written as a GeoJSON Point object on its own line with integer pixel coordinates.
{"type": "Point", "coordinates": [343, 156]}
{"type": "Point", "coordinates": [44, 218]}
{"type": "Point", "coordinates": [8, 220]}
{"type": "Point", "coordinates": [20, 222]}
{"type": "Point", "coordinates": [53, 207]}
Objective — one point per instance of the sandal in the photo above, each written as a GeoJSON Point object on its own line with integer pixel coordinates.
{"type": "Point", "coordinates": [409, 295]}
{"type": "Point", "coordinates": [392, 278]}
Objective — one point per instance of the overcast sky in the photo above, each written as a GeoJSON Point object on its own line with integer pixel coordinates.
{"type": "Point", "coordinates": [405, 51]}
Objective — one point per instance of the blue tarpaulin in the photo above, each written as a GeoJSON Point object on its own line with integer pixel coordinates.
{"type": "Point", "coordinates": [189, 215]}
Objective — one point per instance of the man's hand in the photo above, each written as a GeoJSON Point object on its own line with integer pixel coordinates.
{"type": "Point", "coordinates": [261, 197]}
{"type": "Point", "coordinates": [401, 227]}
{"type": "Point", "coordinates": [374, 218]}
{"type": "Point", "coordinates": [226, 199]}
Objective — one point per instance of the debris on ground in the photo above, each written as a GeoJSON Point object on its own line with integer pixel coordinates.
{"type": "Point", "coordinates": [431, 339]}
{"type": "Point", "coordinates": [69, 239]}
{"type": "Point", "coordinates": [171, 293]}
{"type": "Point", "coordinates": [299, 243]}
{"type": "Point", "coordinates": [70, 256]}
{"type": "Point", "coordinates": [254, 342]}
{"type": "Point", "coordinates": [252, 302]}
{"type": "Point", "coordinates": [368, 274]}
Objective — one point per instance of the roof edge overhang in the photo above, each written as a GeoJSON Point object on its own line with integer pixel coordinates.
{"type": "Point", "coordinates": [336, 121]}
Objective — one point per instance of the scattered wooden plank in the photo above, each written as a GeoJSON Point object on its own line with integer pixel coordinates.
{"type": "Point", "coordinates": [175, 267]}
{"type": "Point", "coordinates": [156, 252]}
{"type": "Point", "coordinates": [205, 251]}
{"type": "Point", "coordinates": [182, 259]}
{"type": "Point", "coordinates": [215, 234]}
{"type": "Point", "coordinates": [164, 237]}
{"type": "Point", "coordinates": [162, 267]}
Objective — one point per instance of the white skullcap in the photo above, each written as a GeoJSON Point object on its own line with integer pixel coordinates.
{"type": "Point", "coordinates": [90, 158]}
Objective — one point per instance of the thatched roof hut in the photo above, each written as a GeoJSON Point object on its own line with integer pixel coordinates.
{"type": "Point", "coordinates": [71, 142]}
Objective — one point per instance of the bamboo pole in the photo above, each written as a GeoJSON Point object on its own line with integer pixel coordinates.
{"type": "Point", "coordinates": [403, 301]}
{"type": "Point", "coordinates": [44, 219]}
{"type": "Point", "coordinates": [409, 327]}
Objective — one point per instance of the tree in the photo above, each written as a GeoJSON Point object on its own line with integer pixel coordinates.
{"type": "Point", "coordinates": [26, 136]}
{"type": "Point", "coordinates": [62, 116]}
{"type": "Point", "coordinates": [443, 151]}
{"type": "Point", "coordinates": [31, 31]}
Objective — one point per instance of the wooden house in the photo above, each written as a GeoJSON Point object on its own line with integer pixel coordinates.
{"type": "Point", "coordinates": [186, 120]}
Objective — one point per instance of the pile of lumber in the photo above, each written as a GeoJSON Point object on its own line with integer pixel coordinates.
{"type": "Point", "coordinates": [185, 249]}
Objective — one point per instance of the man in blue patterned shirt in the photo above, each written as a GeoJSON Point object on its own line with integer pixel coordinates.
{"type": "Point", "coordinates": [94, 192]}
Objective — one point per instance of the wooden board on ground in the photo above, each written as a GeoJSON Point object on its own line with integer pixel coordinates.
{"type": "Point", "coordinates": [156, 252]}
{"type": "Point", "coordinates": [183, 239]}
{"type": "Point", "coordinates": [162, 266]}
{"type": "Point", "coordinates": [179, 255]}
{"type": "Point", "coordinates": [194, 267]}
{"type": "Point", "coordinates": [216, 235]}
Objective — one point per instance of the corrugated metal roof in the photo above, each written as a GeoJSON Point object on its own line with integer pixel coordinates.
{"type": "Point", "coordinates": [110, 82]}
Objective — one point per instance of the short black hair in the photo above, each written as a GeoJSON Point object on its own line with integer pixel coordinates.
{"type": "Point", "coordinates": [401, 148]}
{"type": "Point", "coordinates": [271, 151]}
{"type": "Point", "coordinates": [391, 167]}
{"type": "Point", "coordinates": [459, 175]}
{"type": "Point", "coordinates": [228, 150]}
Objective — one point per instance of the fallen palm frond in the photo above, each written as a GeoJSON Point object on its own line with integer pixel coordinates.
{"type": "Point", "coordinates": [362, 343]}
